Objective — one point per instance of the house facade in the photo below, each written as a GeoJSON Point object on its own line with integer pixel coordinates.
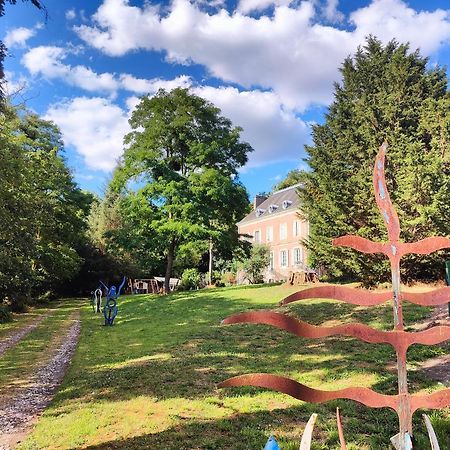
{"type": "Point", "coordinates": [274, 221]}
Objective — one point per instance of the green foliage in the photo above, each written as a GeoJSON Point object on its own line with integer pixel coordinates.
{"type": "Point", "coordinates": [190, 280]}
{"type": "Point", "coordinates": [257, 263]}
{"type": "Point", "coordinates": [387, 93]}
{"type": "Point", "coordinates": [293, 177]}
{"type": "Point", "coordinates": [42, 211]}
{"type": "Point", "coordinates": [5, 314]}
{"type": "Point", "coordinates": [182, 159]}
{"type": "Point", "coordinates": [228, 278]}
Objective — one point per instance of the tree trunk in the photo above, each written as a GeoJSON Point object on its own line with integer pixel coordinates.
{"type": "Point", "coordinates": [210, 261]}
{"type": "Point", "coordinates": [170, 257]}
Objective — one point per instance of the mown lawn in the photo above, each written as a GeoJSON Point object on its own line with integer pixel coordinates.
{"type": "Point", "coordinates": [150, 380]}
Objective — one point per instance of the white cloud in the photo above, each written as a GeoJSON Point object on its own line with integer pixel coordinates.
{"type": "Point", "coordinates": [275, 133]}
{"type": "Point", "coordinates": [144, 86]}
{"type": "Point", "coordinates": [71, 14]}
{"type": "Point", "coordinates": [18, 37]}
{"type": "Point", "coordinates": [14, 84]}
{"type": "Point", "coordinates": [331, 11]}
{"type": "Point", "coordinates": [389, 19]}
{"type": "Point", "coordinates": [246, 6]}
{"type": "Point", "coordinates": [47, 62]}
{"type": "Point", "coordinates": [288, 51]}
{"type": "Point", "coordinates": [95, 127]}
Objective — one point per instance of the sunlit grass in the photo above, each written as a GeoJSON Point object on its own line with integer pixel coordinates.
{"type": "Point", "coordinates": [20, 320]}
{"type": "Point", "coordinates": [21, 360]}
{"type": "Point", "coordinates": [150, 380]}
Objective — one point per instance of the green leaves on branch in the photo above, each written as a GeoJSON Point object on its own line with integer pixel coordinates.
{"type": "Point", "coordinates": [42, 211]}
{"type": "Point", "coordinates": [179, 174]}
{"type": "Point", "coordinates": [387, 93]}
{"type": "Point", "coordinates": [257, 263]}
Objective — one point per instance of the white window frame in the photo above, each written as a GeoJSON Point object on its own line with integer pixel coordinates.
{"type": "Point", "coordinates": [269, 234]}
{"type": "Point", "coordinates": [296, 228]}
{"type": "Point", "coordinates": [283, 227]}
{"type": "Point", "coordinates": [271, 261]}
{"type": "Point", "coordinates": [254, 236]}
{"type": "Point", "coordinates": [286, 252]}
{"type": "Point", "coordinates": [298, 262]}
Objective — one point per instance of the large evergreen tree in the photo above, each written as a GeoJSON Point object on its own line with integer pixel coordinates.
{"type": "Point", "coordinates": [387, 93]}
{"type": "Point", "coordinates": [183, 157]}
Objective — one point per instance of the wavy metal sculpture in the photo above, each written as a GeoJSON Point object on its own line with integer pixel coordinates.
{"type": "Point", "coordinates": [403, 403]}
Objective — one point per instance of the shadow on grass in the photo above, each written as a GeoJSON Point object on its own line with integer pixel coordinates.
{"type": "Point", "coordinates": [20, 360]}
{"type": "Point", "coordinates": [243, 432]}
{"type": "Point", "coordinates": [251, 431]}
{"type": "Point", "coordinates": [186, 353]}
{"type": "Point", "coordinates": [174, 347]}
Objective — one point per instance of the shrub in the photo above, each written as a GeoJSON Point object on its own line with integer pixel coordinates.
{"type": "Point", "coordinates": [5, 314]}
{"type": "Point", "coordinates": [228, 278]}
{"type": "Point", "coordinates": [191, 279]}
{"type": "Point", "coordinates": [257, 263]}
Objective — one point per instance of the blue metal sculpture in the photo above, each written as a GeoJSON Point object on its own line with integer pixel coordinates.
{"type": "Point", "coordinates": [271, 444]}
{"type": "Point", "coordinates": [111, 309]}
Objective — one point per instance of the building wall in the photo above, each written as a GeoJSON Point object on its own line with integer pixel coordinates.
{"type": "Point", "coordinates": [282, 233]}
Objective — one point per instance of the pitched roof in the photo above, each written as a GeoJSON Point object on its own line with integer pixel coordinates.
{"type": "Point", "coordinates": [277, 201]}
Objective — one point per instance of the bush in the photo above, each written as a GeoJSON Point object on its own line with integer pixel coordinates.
{"type": "Point", "coordinates": [191, 279]}
{"type": "Point", "coordinates": [228, 278]}
{"type": "Point", "coordinates": [257, 263]}
{"type": "Point", "coordinates": [5, 314]}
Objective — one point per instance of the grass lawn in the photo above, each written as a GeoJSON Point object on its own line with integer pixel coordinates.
{"type": "Point", "coordinates": [20, 320]}
{"type": "Point", "coordinates": [150, 380]}
{"type": "Point", "coordinates": [19, 362]}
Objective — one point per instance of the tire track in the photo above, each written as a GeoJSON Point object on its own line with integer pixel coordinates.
{"type": "Point", "coordinates": [16, 337]}
{"type": "Point", "coordinates": [20, 412]}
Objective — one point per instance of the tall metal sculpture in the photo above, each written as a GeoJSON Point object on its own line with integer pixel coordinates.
{"type": "Point", "coordinates": [111, 309]}
{"type": "Point", "coordinates": [403, 403]}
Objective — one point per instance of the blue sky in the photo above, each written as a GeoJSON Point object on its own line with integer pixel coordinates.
{"type": "Point", "coordinates": [269, 65]}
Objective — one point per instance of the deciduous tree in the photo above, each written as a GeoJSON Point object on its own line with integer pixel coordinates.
{"type": "Point", "coordinates": [182, 157]}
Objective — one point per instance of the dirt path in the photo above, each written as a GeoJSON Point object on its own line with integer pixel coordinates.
{"type": "Point", "coordinates": [21, 411]}
{"type": "Point", "coordinates": [17, 336]}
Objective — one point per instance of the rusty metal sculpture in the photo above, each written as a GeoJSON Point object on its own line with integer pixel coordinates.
{"type": "Point", "coordinates": [403, 403]}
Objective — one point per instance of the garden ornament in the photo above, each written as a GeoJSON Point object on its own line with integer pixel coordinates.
{"type": "Point", "coordinates": [111, 309]}
{"type": "Point", "coordinates": [271, 444]}
{"type": "Point", "coordinates": [404, 403]}
{"type": "Point", "coordinates": [96, 300]}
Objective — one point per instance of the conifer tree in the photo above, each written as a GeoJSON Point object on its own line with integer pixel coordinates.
{"type": "Point", "coordinates": [387, 93]}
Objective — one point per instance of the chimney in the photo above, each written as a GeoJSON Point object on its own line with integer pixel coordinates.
{"type": "Point", "coordinates": [258, 200]}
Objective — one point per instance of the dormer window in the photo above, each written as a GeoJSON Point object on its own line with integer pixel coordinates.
{"type": "Point", "coordinates": [272, 208]}
{"type": "Point", "coordinates": [259, 212]}
{"type": "Point", "coordinates": [286, 204]}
